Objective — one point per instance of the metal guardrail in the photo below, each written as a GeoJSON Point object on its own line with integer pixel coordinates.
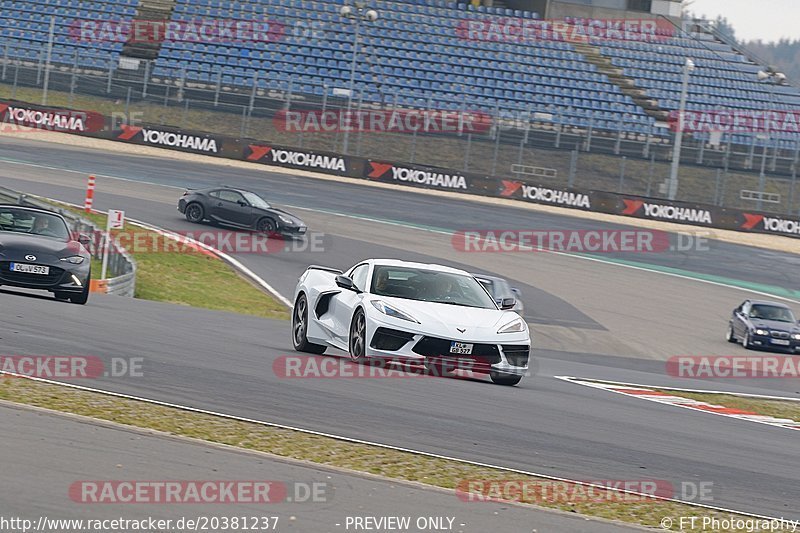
{"type": "Point", "coordinates": [121, 266]}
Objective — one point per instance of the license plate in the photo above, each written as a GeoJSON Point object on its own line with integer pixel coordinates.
{"type": "Point", "coordinates": [30, 269]}
{"type": "Point", "coordinates": [780, 342]}
{"type": "Point", "coordinates": [460, 347]}
{"type": "Point", "coordinates": [301, 230]}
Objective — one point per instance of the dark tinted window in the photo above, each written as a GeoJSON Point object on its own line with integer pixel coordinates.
{"type": "Point", "coordinates": [33, 222]}
{"type": "Point", "coordinates": [771, 312]}
{"type": "Point", "coordinates": [231, 196]}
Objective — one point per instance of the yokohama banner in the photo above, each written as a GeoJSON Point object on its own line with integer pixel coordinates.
{"type": "Point", "coordinates": [326, 162]}
{"type": "Point", "coordinates": [161, 137]}
{"type": "Point", "coordinates": [428, 177]}
{"type": "Point", "coordinates": [19, 115]}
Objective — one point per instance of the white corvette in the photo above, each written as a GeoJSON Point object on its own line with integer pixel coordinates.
{"type": "Point", "coordinates": [413, 312]}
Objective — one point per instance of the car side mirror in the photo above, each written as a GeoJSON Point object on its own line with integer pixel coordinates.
{"type": "Point", "coordinates": [84, 240]}
{"type": "Point", "coordinates": [346, 283]}
{"type": "Point", "coordinates": [242, 203]}
{"type": "Point", "coordinates": [508, 303]}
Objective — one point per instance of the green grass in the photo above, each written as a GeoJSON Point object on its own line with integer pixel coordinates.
{"type": "Point", "coordinates": [406, 466]}
{"type": "Point", "coordinates": [191, 278]}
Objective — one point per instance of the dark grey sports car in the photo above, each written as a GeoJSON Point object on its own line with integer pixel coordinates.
{"type": "Point", "coordinates": [760, 324]}
{"type": "Point", "coordinates": [37, 251]}
{"type": "Point", "coordinates": [239, 208]}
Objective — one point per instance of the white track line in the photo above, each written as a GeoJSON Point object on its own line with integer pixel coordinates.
{"type": "Point", "coordinates": [701, 391]}
{"type": "Point", "coordinates": [685, 403]}
{"type": "Point", "coordinates": [380, 445]}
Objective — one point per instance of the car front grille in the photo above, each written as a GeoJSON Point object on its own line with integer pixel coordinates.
{"type": "Point", "coordinates": [517, 354]}
{"type": "Point", "coordinates": [779, 334]}
{"type": "Point", "coordinates": [39, 280]}
{"type": "Point", "coordinates": [436, 347]}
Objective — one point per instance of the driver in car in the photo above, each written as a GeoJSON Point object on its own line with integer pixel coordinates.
{"type": "Point", "coordinates": [41, 226]}
{"type": "Point", "coordinates": [446, 289]}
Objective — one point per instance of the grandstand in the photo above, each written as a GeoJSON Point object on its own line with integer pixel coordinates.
{"type": "Point", "coordinates": [417, 54]}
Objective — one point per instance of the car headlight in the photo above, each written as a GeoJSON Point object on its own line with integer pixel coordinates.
{"type": "Point", "coordinates": [388, 310]}
{"type": "Point", "coordinates": [515, 326]}
{"type": "Point", "coordinates": [796, 336]}
{"type": "Point", "coordinates": [286, 220]}
{"type": "Point", "coordinates": [73, 259]}
{"type": "Point", "coordinates": [762, 332]}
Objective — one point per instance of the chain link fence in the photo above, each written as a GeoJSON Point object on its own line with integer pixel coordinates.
{"type": "Point", "coordinates": [537, 144]}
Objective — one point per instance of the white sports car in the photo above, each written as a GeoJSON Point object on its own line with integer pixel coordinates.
{"type": "Point", "coordinates": [413, 312]}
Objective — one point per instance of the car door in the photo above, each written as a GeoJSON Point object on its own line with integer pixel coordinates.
{"type": "Point", "coordinates": [344, 304]}
{"type": "Point", "coordinates": [231, 207]}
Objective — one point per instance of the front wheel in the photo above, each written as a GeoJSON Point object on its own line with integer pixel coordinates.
{"type": "Point", "coordinates": [266, 225]}
{"type": "Point", "coordinates": [746, 341]}
{"type": "Point", "coordinates": [300, 327]}
{"type": "Point", "coordinates": [500, 378]}
{"type": "Point", "coordinates": [729, 336]}
{"type": "Point", "coordinates": [358, 337]}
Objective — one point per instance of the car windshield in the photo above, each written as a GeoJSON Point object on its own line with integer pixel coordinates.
{"type": "Point", "coordinates": [772, 312]}
{"type": "Point", "coordinates": [255, 200]}
{"type": "Point", "coordinates": [430, 286]}
{"type": "Point", "coordinates": [17, 220]}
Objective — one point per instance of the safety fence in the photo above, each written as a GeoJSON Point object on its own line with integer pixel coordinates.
{"type": "Point", "coordinates": [524, 185]}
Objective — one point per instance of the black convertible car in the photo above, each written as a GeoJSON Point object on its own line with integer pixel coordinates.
{"type": "Point", "coordinates": [239, 208]}
{"type": "Point", "coordinates": [37, 252]}
{"type": "Point", "coordinates": [760, 324]}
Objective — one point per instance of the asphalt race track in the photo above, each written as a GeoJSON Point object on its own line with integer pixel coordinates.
{"type": "Point", "coordinates": [590, 319]}
{"type": "Point", "coordinates": [62, 451]}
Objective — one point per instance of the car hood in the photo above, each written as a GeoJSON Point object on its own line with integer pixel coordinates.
{"type": "Point", "coordinates": [761, 323]}
{"type": "Point", "coordinates": [14, 246]}
{"type": "Point", "coordinates": [446, 317]}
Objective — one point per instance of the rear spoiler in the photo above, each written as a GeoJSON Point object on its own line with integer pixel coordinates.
{"type": "Point", "coordinates": [326, 269]}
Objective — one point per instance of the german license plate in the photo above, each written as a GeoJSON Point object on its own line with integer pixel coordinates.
{"type": "Point", "coordinates": [30, 269]}
{"type": "Point", "coordinates": [780, 342]}
{"type": "Point", "coordinates": [461, 348]}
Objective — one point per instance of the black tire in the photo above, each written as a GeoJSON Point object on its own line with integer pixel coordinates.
{"type": "Point", "coordinates": [358, 338]}
{"type": "Point", "coordinates": [61, 296]}
{"type": "Point", "coordinates": [746, 341]}
{"type": "Point", "coordinates": [195, 213]}
{"type": "Point", "coordinates": [729, 336]}
{"type": "Point", "coordinates": [500, 378]}
{"type": "Point", "coordinates": [83, 297]}
{"type": "Point", "coordinates": [300, 326]}
{"type": "Point", "coordinates": [267, 225]}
